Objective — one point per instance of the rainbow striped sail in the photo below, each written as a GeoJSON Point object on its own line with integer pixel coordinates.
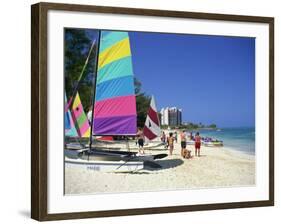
{"type": "Point", "coordinates": [70, 129]}
{"type": "Point", "coordinates": [115, 103]}
{"type": "Point", "coordinates": [80, 118]}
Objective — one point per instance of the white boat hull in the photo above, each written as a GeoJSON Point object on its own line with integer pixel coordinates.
{"type": "Point", "coordinates": [105, 166]}
{"type": "Point", "coordinates": [109, 156]}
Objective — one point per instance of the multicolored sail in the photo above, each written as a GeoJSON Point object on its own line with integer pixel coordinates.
{"type": "Point", "coordinates": [115, 102]}
{"type": "Point", "coordinates": [80, 119]}
{"type": "Point", "coordinates": [70, 129]}
{"type": "Point", "coordinates": [152, 126]}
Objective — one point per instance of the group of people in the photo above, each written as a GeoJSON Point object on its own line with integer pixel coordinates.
{"type": "Point", "coordinates": [169, 143]}
{"type": "Point", "coordinates": [185, 153]}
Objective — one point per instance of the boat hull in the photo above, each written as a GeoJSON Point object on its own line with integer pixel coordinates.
{"type": "Point", "coordinates": [105, 166]}
{"type": "Point", "coordinates": [107, 155]}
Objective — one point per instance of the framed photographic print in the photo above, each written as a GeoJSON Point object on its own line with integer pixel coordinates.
{"type": "Point", "coordinates": [138, 111]}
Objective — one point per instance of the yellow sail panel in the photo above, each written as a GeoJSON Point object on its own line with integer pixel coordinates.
{"type": "Point", "coordinates": [86, 134]}
{"type": "Point", "coordinates": [76, 101]}
{"type": "Point", "coordinates": [117, 51]}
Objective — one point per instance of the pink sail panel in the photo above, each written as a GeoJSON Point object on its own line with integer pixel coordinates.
{"type": "Point", "coordinates": [118, 106]}
{"type": "Point", "coordinates": [77, 111]}
{"type": "Point", "coordinates": [151, 127]}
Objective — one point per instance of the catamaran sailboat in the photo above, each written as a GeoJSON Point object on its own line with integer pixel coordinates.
{"type": "Point", "coordinates": [114, 108]}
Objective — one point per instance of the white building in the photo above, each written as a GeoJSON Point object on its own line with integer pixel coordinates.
{"type": "Point", "coordinates": [171, 116]}
{"type": "Point", "coordinates": [164, 116]}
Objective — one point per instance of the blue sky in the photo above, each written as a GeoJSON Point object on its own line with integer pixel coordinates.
{"type": "Point", "coordinates": [212, 78]}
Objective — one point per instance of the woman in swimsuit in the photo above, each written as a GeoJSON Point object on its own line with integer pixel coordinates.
{"type": "Point", "coordinates": [197, 144]}
{"type": "Point", "coordinates": [170, 141]}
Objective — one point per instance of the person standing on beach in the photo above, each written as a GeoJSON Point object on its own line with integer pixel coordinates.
{"type": "Point", "coordinates": [183, 142]}
{"type": "Point", "coordinates": [163, 137]}
{"type": "Point", "coordinates": [140, 137]}
{"type": "Point", "coordinates": [197, 144]}
{"type": "Point", "coordinates": [185, 153]}
{"type": "Point", "coordinates": [170, 141]}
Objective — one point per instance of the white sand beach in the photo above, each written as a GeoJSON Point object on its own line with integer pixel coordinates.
{"type": "Point", "coordinates": [217, 167]}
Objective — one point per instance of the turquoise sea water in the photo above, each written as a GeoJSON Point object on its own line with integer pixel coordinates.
{"type": "Point", "coordinates": [241, 139]}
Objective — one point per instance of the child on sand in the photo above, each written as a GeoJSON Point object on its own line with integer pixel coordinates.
{"type": "Point", "coordinates": [197, 144]}
{"type": "Point", "coordinates": [186, 154]}
{"type": "Point", "coordinates": [170, 141]}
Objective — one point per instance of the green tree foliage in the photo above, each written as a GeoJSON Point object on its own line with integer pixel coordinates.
{"type": "Point", "coordinates": [212, 126]}
{"type": "Point", "coordinates": [191, 126]}
{"type": "Point", "coordinates": [77, 46]}
{"type": "Point", "coordinates": [143, 102]}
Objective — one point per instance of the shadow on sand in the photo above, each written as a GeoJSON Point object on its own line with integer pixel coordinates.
{"type": "Point", "coordinates": [156, 166]}
{"type": "Point", "coordinates": [162, 164]}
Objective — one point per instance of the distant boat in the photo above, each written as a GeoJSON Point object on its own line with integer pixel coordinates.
{"type": "Point", "coordinates": [211, 142]}
{"type": "Point", "coordinates": [207, 141]}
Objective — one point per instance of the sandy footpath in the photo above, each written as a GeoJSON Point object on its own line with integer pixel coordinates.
{"type": "Point", "coordinates": [217, 167]}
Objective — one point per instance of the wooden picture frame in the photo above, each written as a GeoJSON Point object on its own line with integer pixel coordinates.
{"type": "Point", "coordinates": [39, 110]}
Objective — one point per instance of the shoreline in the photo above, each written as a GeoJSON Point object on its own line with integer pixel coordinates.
{"type": "Point", "coordinates": [238, 152]}
{"type": "Point", "coordinates": [237, 148]}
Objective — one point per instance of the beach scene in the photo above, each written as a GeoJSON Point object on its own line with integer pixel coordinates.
{"type": "Point", "coordinates": [151, 112]}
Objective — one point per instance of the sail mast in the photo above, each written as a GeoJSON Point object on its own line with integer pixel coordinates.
{"type": "Point", "coordinates": [94, 88]}
{"type": "Point", "coordinates": [69, 105]}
